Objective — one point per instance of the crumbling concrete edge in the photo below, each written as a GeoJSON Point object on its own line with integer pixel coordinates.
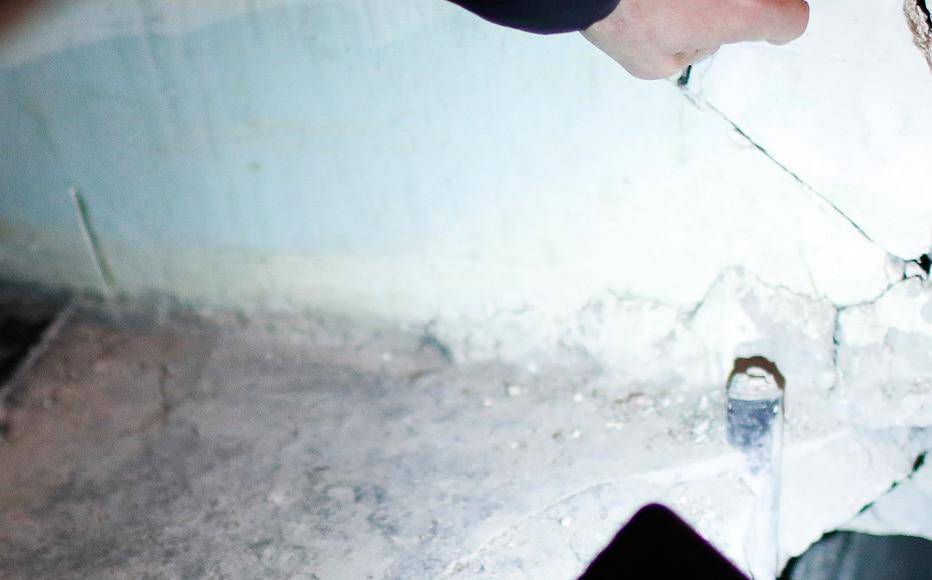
{"type": "Point", "coordinates": [920, 24]}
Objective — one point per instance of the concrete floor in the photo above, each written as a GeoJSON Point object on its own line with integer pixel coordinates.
{"type": "Point", "coordinates": [312, 450]}
{"type": "Point", "coordinates": [192, 453]}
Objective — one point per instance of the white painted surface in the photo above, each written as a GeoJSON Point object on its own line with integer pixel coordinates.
{"type": "Point", "coordinates": [847, 109]}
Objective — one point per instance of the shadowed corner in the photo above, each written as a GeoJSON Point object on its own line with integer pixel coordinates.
{"type": "Point", "coordinates": [14, 13]}
{"type": "Point", "coordinates": [846, 555]}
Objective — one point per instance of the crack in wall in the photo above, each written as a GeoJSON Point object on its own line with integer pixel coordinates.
{"type": "Point", "coordinates": [702, 104]}
{"type": "Point", "coordinates": [923, 262]}
{"type": "Point", "coordinates": [837, 339]}
{"type": "Point", "coordinates": [917, 465]}
{"type": "Point", "coordinates": [92, 240]}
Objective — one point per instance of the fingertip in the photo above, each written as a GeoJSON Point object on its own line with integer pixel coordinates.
{"type": "Point", "coordinates": [654, 71]}
{"type": "Point", "coordinates": [794, 18]}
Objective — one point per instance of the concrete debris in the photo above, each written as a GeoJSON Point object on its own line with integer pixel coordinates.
{"type": "Point", "coordinates": [740, 316]}
{"type": "Point", "coordinates": [885, 358]}
{"type": "Point", "coordinates": [857, 381]}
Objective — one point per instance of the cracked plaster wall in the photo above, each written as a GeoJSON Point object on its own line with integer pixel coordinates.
{"type": "Point", "coordinates": [346, 158]}
{"type": "Point", "coordinates": [519, 198]}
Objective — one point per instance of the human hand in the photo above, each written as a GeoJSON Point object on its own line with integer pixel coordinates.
{"type": "Point", "coordinates": [655, 39]}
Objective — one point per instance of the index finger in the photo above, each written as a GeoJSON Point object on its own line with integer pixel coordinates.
{"type": "Point", "coordinates": [715, 22]}
{"type": "Point", "coordinates": [776, 21]}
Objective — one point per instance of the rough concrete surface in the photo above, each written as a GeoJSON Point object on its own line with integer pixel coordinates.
{"type": "Point", "coordinates": [885, 357]}
{"type": "Point", "coordinates": [309, 449]}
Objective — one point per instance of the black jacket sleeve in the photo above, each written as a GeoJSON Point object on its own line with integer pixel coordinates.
{"type": "Point", "coordinates": [541, 16]}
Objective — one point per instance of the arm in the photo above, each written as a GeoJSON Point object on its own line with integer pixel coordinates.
{"type": "Point", "coordinates": [653, 38]}
{"type": "Point", "coordinates": [541, 16]}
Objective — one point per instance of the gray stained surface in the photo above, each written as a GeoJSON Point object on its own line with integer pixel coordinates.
{"type": "Point", "coordinates": [182, 451]}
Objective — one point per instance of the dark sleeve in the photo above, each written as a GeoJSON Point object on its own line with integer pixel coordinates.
{"type": "Point", "coordinates": [541, 16]}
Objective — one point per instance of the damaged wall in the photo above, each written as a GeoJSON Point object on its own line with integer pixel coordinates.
{"type": "Point", "coordinates": [346, 158]}
{"type": "Point", "coordinates": [518, 198]}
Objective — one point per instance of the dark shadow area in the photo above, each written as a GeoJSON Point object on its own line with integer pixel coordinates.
{"type": "Point", "coordinates": [656, 543]}
{"type": "Point", "coordinates": [857, 556]}
{"type": "Point", "coordinates": [25, 314]}
{"type": "Point", "coordinates": [19, 330]}
{"type": "Point", "coordinates": [925, 10]}
{"type": "Point", "coordinates": [15, 12]}
{"type": "Point", "coordinates": [925, 262]}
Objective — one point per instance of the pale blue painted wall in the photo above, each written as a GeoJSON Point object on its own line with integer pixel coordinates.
{"type": "Point", "coordinates": [294, 130]}
{"type": "Point", "coordinates": [400, 158]}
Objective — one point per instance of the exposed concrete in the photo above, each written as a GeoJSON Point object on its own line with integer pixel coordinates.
{"type": "Point", "coordinates": [885, 357]}
{"type": "Point", "coordinates": [315, 449]}
{"type": "Point", "coordinates": [855, 367]}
